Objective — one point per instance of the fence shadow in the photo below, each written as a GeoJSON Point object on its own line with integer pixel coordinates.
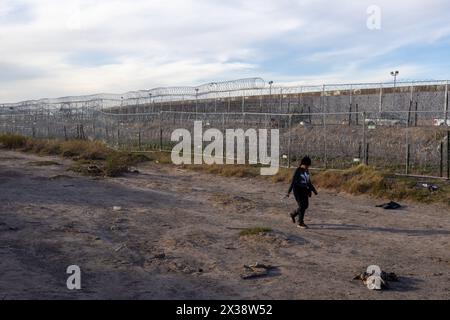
{"type": "Point", "coordinates": [351, 227]}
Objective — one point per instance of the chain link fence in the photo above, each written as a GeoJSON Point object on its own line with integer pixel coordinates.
{"type": "Point", "coordinates": [402, 128]}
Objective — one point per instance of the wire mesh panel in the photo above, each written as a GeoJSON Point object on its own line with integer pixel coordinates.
{"type": "Point", "coordinates": [401, 127]}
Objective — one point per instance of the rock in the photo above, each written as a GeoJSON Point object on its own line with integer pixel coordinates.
{"type": "Point", "coordinates": [159, 256]}
{"type": "Point", "coordinates": [256, 270]}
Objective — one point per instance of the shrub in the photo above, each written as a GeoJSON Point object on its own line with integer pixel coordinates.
{"type": "Point", "coordinates": [12, 141]}
{"type": "Point", "coordinates": [118, 163]}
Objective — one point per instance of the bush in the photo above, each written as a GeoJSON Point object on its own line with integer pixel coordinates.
{"type": "Point", "coordinates": [118, 163]}
{"type": "Point", "coordinates": [12, 141]}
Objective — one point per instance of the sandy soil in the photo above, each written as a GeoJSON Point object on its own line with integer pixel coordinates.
{"type": "Point", "coordinates": [177, 237]}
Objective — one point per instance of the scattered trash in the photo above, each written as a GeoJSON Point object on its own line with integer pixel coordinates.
{"type": "Point", "coordinates": [376, 279]}
{"type": "Point", "coordinates": [120, 247]}
{"type": "Point", "coordinates": [390, 206]}
{"type": "Point", "coordinates": [256, 270]}
{"type": "Point", "coordinates": [430, 187]}
{"type": "Point", "coordinates": [433, 188]}
{"type": "Point", "coordinates": [133, 170]}
{"type": "Point", "coordinates": [116, 208]}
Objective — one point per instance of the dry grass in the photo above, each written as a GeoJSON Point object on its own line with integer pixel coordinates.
{"type": "Point", "coordinates": [91, 157]}
{"type": "Point", "coordinates": [159, 157]}
{"type": "Point", "coordinates": [118, 163]}
{"type": "Point", "coordinates": [12, 141]}
{"type": "Point", "coordinates": [87, 150]}
{"type": "Point", "coordinates": [357, 180]}
{"type": "Point", "coordinates": [283, 175]}
{"type": "Point", "coordinates": [381, 184]}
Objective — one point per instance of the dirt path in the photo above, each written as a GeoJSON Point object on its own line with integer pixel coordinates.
{"type": "Point", "coordinates": [177, 237]}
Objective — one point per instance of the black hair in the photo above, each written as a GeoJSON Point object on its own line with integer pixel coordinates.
{"type": "Point", "coordinates": [306, 161]}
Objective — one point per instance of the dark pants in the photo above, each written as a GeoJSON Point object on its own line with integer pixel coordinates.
{"type": "Point", "coordinates": [302, 198]}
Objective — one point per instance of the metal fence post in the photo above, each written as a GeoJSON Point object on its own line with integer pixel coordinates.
{"type": "Point", "coordinates": [441, 163]}
{"type": "Point", "coordinates": [289, 141]}
{"type": "Point", "coordinates": [161, 130]}
{"type": "Point", "coordinates": [281, 100]}
{"type": "Point", "coordinates": [325, 140]}
{"type": "Point", "coordinates": [118, 132]}
{"type": "Point", "coordinates": [223, 121]}
{"type": "Point", "coordinates": [367, 153]}
{"type": "Point", "coordinates": [351, 105]}
{"type": "Point", "coordinates": [408, 158]}
{"type": "Point", "coordinates": [357, 114]}
{"type": "Point", "coordinates": [364, 138]}
{"type": "Point", "coordinates": [300, 99]}
{"type": "Point", "coordinates": [416, 115]}
{"type": "Point", "coordinates": [139, 141]}
{"type": "Point", "coordinates": [322, 99]}
{"type": "Point", "coordinates": [408, 150]}
{"type": "Point", "coordinates": [261, 101]}
{"type": "Point", "coordinates": [380, 108]}
{"type": "Point", "coordinates": [410, 102]}
{"type": "Point", "coordinates": [446, 103]}
{"type": "Point", "coordinates": [448, 154]}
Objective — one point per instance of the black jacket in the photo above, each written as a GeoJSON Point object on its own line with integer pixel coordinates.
{"type": "Point", "coordinates": [302, 180]}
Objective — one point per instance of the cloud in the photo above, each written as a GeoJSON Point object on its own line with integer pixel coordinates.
{"type": "Point", "coordinates": [57, 48]}
{"type": "Point", "coordinates": [12, 73]}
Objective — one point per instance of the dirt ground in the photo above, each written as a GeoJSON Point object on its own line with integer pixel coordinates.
{"type": "Point", "coordinates": [177, 237]}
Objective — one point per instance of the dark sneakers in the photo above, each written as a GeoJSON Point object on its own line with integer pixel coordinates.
{"type": "Point", "coordinates": [302, 225]}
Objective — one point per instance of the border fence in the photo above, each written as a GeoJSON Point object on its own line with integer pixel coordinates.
{"type": "Point", "coordinates": [403, 127]}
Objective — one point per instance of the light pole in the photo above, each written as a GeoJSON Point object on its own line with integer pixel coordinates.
{"type": "Point", "coordinates": [394, 74]}
{"type": "Point", "coordinates": [270, 89]}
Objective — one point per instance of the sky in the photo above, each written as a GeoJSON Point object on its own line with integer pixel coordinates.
{"type": "Point", "coordinates": [52, 48]}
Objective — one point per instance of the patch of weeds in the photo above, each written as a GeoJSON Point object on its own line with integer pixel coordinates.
{"type": "Point", "coordinates": [118, 163]}
{"type": "Point", "coordinates": [12, 141]}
